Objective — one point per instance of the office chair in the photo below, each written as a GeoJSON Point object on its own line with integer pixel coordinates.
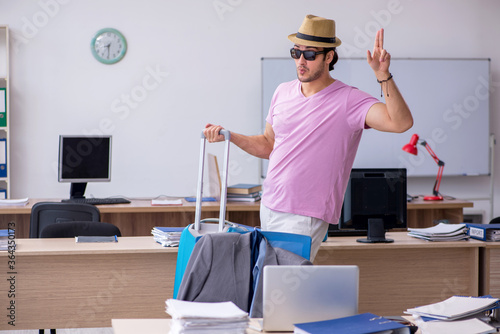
{"type": "Point", "coordinates": [47, 213]}
{"type": "Point", "coordinates": [44, 214]}
{"type": "Point", "coordinates": [79, 228]}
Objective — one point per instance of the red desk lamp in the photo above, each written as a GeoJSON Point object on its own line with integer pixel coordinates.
{"type": "Point", "coordinates": [411, 148]}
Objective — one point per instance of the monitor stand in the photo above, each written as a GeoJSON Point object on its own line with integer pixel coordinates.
{"type": "Point", "coordinates": [376, 232]}
{"type": "Point", "coordinates": [77, 190]}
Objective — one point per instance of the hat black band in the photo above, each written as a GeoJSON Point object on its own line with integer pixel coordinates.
{"type": "Point", "coordinates": [315, 38]}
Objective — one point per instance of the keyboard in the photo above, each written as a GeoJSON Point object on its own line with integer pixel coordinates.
{"type": "Point", "coordinates": [97, 201]}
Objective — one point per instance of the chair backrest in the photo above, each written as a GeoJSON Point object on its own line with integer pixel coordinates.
{"type": "Point", "coordinates": [46, 213]}
{"type": "Point", "coordinates": [79, 228]}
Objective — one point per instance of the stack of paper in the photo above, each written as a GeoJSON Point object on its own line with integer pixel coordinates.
{"type": "Point", "coordinates": [244, 192]}
{"type": "Point", "coordinates": [206, 318]}
{"type": "Point", "coordinates": [441, 232]}
{"type": "Point", "coordinates": [167, 236]}
{"type": "Point", "coordinates": [457, 314]}
{"type": "Point", "coordinates": [20, 201]}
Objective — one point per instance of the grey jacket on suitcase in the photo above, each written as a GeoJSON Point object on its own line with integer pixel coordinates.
{"type": "Point", "coordinates": [219, 270]}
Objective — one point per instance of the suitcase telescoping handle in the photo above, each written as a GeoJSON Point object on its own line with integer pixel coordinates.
{"type": "Point", "coordinates": [223, 195]}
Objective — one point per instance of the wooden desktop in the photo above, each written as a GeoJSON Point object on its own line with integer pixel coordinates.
{"type": "Point", "coordinates": [62, 284]}
{"type": "Point", "coordinates": [139, 217]}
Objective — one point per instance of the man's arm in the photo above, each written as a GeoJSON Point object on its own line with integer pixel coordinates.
{"type": "Point", "coordinates": [394, 115]}
{"type": "Point", "coordinates": [259, 145]}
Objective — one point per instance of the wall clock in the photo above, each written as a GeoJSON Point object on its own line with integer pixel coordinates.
{"type": "Point", "coordinates": [108, 46]}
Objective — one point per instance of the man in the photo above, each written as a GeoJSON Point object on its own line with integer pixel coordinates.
{"type": "Point", "coordinates": [313, 130]}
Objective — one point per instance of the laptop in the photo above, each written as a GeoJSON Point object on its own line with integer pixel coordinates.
{"type": "Point", "coordinates": [296, 294]}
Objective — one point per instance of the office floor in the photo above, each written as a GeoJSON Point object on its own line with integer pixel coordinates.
{"type": "Point", "coordinates": [65, 331]}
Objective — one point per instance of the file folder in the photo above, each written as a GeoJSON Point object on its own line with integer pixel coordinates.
{"type": "Point", "coordinates": [3, 107]}
{"type": "Point", "coordinates": [484, 232]}
{"type": "Point", "coordinates": [3, 157]}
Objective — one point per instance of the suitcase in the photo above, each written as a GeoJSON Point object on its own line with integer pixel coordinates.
{"type": "Point", "coordinates": [193, 232]}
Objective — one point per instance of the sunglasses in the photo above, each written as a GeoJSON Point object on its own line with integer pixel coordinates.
{"type": "Point", "coordinates": [308, 54]}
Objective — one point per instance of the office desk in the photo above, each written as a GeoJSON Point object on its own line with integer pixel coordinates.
{"type": "Point", "coordinates": [156, 326]}
{"type": "Point", "coordinates": [490, 269]}
{"type": "Point", "coordinates": [139, 217]}
{"type": "Point", "coordinates": [407, 273]}
{"type": "Point", "coordinates": [162, 326]}
{"type": "Point", "coordinates": [423, 213]}
{"type": "Point", "coordinates": [62, 284]}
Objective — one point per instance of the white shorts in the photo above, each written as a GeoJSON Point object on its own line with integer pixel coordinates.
{"type": "Point", "coordinates": [271, 220]}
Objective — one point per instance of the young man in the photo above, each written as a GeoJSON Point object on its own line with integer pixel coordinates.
{"type": "Point", "coordinates": [313, 130]}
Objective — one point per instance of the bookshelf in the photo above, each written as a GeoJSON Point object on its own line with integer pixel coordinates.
{"type": "Point", "coordinates": [4, 113]}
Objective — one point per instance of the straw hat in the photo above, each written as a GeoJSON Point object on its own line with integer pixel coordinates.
{"type": "Point", "coordinates": [316, 31]}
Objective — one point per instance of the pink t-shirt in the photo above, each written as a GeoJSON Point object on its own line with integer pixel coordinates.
{"type": "Point", "coordinates": [316, 139]}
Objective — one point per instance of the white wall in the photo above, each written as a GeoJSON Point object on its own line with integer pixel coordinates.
{"type": "Point", "coordinates": [206, 59]}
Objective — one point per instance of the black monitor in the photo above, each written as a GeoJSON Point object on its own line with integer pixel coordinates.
{"type": "Point", "coordinates": [375, 201]}
{"type": "Point", "coordinates": [84, 159]}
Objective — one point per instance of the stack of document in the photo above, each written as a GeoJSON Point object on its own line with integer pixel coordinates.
{"type": "Point", "coordinates": [20, 201]}
{"type": "Point", "coordinates": [167, 236]}
{"type": "Point", "coordinates": [4, 240]}
{"type": "Point", "coordinates": [457, 314]}
{"type": "Point", "coordinates": [244, 192]}
{"type": "Point", "coordinates": [441, 232]}
{"type": "Point", "coordinates": [206, 318]}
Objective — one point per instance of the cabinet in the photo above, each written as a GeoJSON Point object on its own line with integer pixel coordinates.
{"type": "Point", "coordinates": [4, 113]}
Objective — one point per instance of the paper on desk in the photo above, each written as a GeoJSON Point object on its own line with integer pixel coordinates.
{"type": "Point", "coordinates": [440, 229]}
{"type": "Point", "coordinates": [469, 326]}
{"type": "Point", "coordinates": [166, 202]}
{"type": "Point", "coordinates": [180, 309]}
{"type": "Point", "coordinates": [20, 201]}
{"type": "Point", "coordinates": [454, 307]}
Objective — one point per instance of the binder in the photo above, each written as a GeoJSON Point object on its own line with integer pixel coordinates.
{"type": "Point", "coordinates": [484, 232]}
{"type": "Point", "coordinates": [3, 157]}
{"type": "Point", "coordinates": [357, 324]}
{"type": "Point", "coordinates": [3, 107]}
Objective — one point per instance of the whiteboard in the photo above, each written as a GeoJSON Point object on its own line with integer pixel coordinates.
{"type": "Point", "coordinates": [449, 101]}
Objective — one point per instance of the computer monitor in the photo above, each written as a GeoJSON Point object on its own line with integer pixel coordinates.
{"type": "Point", "coordinates": [376, 198]}
{"type": "Point", "coordinates": [84, 159]}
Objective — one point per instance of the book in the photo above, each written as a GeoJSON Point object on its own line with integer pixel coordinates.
{"type": "Point", "coordinates": [252, 197]}
{"type": "Point", "coordinates": [243, 199]}
{"type": "Point", "coordinates": [356, 324]}
{"type": "Point", "coordinates": [244, 188]}
{"type": "Point", "coordinates": [85, 238]}
{"type": "Point", "coordinates": [255, 194]}
{"type": "Point", "coordinates": [4, 239]}
{"type": "Point", "coordinates": [484, 232]}
{"type": "Point", "coordinates": [203, 199]}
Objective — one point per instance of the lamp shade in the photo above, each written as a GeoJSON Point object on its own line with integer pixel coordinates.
{"type": "Point", "coordinates": [411, 147]}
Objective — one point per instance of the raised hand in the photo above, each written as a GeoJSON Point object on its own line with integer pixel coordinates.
{"type": "Point", "coordinates": [380, 60]}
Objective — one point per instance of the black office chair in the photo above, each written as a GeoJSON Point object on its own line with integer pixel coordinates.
{"type": "Point", "coordinates": [47, 213]}
{"type": "Point", "coordinates": [79, 228]}
{"type": "Point", "coordinates": [44, 214]}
